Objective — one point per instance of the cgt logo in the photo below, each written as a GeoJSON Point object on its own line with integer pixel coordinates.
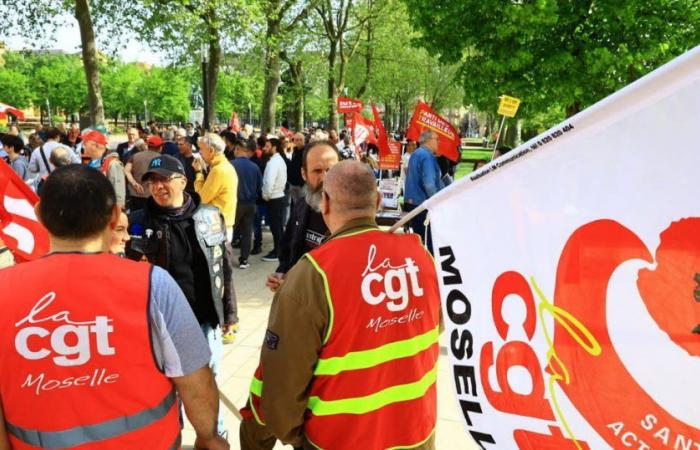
{"type": "Point", "coordinates": [69, 344]}
{"type": "Point", "coordinates": [386, 281]}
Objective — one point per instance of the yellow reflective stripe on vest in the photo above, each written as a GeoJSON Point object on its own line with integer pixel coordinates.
{"type": "Point", "coordinates": [255, 389]}
{"type": "Point", "coordinates": [370, 358]}
{"type": "Point", "coordinates": [372, 402]}
{"type": "Point", "coordinates": [108, 429]}
{"type": "Point", "coordinates": [328, 296]}
{"type": "Point", "coordinates": [256, 386]}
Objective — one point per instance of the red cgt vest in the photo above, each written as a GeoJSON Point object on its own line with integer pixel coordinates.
{"type": "Point", "coordinates": [76, 363]}
{"type": "Point", "coordinates": [374, 384]}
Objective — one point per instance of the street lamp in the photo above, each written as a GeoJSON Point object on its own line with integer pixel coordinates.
{"type": "Point", "coordinates": [145, 110]}
{"type": "Point", "coordinates": [205, 88]}
{"type": "Point", "coordinates": [250, 115]}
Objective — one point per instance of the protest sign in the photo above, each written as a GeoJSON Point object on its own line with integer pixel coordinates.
{"type": "Point", "coordinates": [424, 118]}
{"type": "Point", "coordinates": [349, 105]}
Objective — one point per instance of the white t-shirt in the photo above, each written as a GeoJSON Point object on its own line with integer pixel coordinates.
{"type": "Point", "coordinates": [275, 178]}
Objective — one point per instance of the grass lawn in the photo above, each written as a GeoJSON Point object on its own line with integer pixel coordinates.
{"type": "Point", "coordinates": [468, 157]}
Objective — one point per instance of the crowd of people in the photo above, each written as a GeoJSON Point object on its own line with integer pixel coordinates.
{"type": "Point", "coordinates": [192, 205]}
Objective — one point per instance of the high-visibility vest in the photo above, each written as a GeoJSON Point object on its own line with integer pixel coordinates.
{"type": "Point", "coordinates": [374, 383]}
{"type": "Point", "coordinates": [77, 368]}
{"type": "Point", "coordinates": [107, 162]}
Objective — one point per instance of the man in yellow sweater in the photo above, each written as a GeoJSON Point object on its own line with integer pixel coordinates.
{"type": "Point", "coordinates": [220, 187]}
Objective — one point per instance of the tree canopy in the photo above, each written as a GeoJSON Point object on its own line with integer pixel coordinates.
{"type": "Point", "coordinates": [566, 53]}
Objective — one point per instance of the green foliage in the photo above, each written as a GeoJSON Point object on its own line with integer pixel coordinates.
{"type": "Point", "coordinates": [235, 92]}
{"type": "Point", "coordinates": [14, 87]}
{"type": "Point", "coordinates": [402, 73]}
{"type": "Point", "coordinates": [166, 91]}
{"type": "Point", "coordinates": [566, 53]}
{"type": "Point", "coordinates": [120, 89]}
{"type": "Point", "coordinates": [35, 77]}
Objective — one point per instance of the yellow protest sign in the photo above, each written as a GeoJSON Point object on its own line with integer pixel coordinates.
{"type": "Point", "coordinates": [508, 106]}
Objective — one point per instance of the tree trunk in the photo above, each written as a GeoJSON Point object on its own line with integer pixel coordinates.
{"type": "Point", "coordinates": [89, 51]}
{"type": "Point", "coordinates": [272, 77]}
{"type": "Point", "coordinates": [332, 89]}
{"type": "Point", "coordinates": [213, 72]}
{"type": "Point", "coordinates": [368, 55]}
{"type": "Point", "coordinates": [513, 133]}
{"type": "Point", "coordinates": [389, 117]}
{"type": "Point", "coordinates": [298, 77]}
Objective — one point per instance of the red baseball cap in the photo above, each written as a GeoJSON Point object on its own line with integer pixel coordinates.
{"type": "Point", "coordinates": [95, 136]}
{"type": "Point", "coordinates": [154, 141]}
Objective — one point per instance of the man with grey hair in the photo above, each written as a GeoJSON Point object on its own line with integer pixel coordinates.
{"type": "Point", "coordinates": [61, 156]}
{"type": "Point", "coordinates": [170, 147]}
{"type": "Point", "coordinates": [307, 390]}
{"type": "Point", "coordinates": [220, 187]}
{"type": "Point", "coordinates": [422, 181]}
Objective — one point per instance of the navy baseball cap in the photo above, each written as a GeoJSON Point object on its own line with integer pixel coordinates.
{"type": "Point", "coordinates": [164, 165]}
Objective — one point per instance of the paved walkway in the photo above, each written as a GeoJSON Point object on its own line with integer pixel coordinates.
{"type": "Point", "coordinates": [241, 359]}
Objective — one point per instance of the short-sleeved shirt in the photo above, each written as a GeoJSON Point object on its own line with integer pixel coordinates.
{"type": "Point", "coordinates": [21, 167]}
{"type": "Point", "coordinates": [178, 342]}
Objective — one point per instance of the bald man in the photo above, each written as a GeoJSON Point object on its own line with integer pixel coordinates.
{"type": "Point", "coordinates": [356, 318]}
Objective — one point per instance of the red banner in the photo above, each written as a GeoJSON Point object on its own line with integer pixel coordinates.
{"type": "Point", "coordinates": [424, 118]}
{"type": "Point", "coordinates": [389, 156]}
{"type": "Point", "coordinates": [392, 160]}
{"type": "Point", "coordinates": [362, 130]}
{"type": "Point", "coordinates": [26, 238]}
{"type": "Point", "coordinates": [348, 105]}
{"type": "Point", "coordinates": [235, 123]}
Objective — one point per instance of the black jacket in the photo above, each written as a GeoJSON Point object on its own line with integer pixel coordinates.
{"type": "Point", "coordinates": [292, 244]}
{"type": "Point", "coordinates": [197, 231]}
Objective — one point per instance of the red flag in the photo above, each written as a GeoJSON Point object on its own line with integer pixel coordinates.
{"type": "Point", "coordinates": [348, 105]}
{"type": "Point", "coordinates": [424, 118]}
{"type": "Point", "coordinates": [234, 123]}
{"type": "Point", "coordinates": [26, 238]}
{"type": "Point", "coordinates": [287, 132]}
{"type": "Point", "coordinates": [360, 130]}
{"type": "Point", "coordinates": [363, 130]}
{"type": "Point", "coordinates": [389, 158]}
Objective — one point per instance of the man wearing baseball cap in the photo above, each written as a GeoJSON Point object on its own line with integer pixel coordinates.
{"type": "Point", "coordinates": [95, 148]}
{"type": "Point", "coordinates": [187, 238]}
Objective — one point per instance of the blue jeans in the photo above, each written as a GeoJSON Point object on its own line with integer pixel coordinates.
{"type": "Point", "coordinates": [216, 346]}
{"type": "Point", "coordinates": [419, 228]}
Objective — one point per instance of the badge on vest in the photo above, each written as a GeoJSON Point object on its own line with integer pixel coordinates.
{"type": "Point", "coordinates": [271, 340]}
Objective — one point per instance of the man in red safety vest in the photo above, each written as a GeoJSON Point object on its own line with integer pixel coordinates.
{"type": "Point", "coordinates": [97, 361]}
{"type": "Point", "coordinates": [350, 355]}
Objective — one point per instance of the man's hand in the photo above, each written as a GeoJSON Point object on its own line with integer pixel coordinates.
{"type": "Point", "coordinates": [274, 281]}
{"type": "Point", "coordinates": [137, 188]}
{"type": "Point", "coordinates": [197, 165]}
{"type": "Point", "coordinates": [215, 443]}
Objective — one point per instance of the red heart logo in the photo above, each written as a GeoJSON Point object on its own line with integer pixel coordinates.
{"type": "Point", "coordinates": [601, 387]}
{"type": "Point", "coordinates": [669, 290]}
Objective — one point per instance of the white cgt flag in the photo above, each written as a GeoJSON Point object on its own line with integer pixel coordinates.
{"type": "Point", "coordinates": [570, 277]}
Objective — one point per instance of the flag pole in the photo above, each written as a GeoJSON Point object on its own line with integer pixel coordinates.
{"type": "Point", "coordinates": [498, 137]}
{"type": "Point", "coordinates": [405, 219]}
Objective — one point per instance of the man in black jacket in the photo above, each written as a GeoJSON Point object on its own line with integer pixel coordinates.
{"type": "Point", "coordinates": [187, 238]}
{"type": "Point", "coordinates": [294, 178]}
{"type": "Point", "coordinates": [305, 229]}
